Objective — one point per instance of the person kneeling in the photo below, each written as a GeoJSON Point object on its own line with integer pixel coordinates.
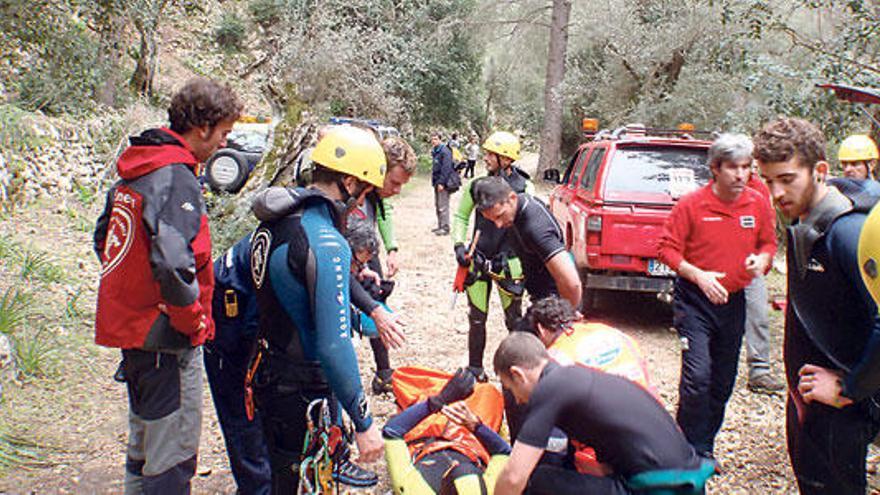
{"type": "Point", "coordinates": [643, 448]}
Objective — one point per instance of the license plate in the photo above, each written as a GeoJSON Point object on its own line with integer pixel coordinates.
{"type": "Point", "coordinates": [657, 269]}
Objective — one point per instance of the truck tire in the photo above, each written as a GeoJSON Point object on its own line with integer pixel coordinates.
{"type": "Point", "coordinates": [227, 171]}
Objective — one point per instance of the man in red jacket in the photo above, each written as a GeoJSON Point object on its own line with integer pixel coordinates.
{"type": "Point", "coordinates": [154, 298]}
{"type": "Point", "coordinates": [717, 239]}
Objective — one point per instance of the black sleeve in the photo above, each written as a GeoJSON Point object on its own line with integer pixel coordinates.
{"type": "Point", "coordinates": [100, 234]}
{"type": "Point", "coordinates": [541, 416]}
{"type": "Point", "coordinates": [541, 232]}
{"type": "Point", "coordinates": [359, 296]}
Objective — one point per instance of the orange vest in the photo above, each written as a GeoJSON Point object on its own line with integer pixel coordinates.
{"type": "Point", "coordinates": [414, 384]}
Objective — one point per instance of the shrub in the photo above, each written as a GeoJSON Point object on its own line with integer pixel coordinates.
{"type": "Point", "coordinates": [13, 310]}
{"type": "Point", "coordinates": [35, 355]}
{"type": "Point", "coordinates": [266, 13]}
{"type": "Point", "coordinates": [230, 33]}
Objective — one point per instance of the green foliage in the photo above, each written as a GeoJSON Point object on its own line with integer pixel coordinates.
{"type": "Point", "coordinates": [63, 67]}
{"type": "Point", "coordinates": [231, 32]}
{"type": "Point", "coordinates": [85, 194]}
{"type": "Point", "coordinates": [36, 355]}
{"type": "Point", "coordinates": [423, 165]}
{"type": "Point", "coordinates": [17, 452]}
{"type": "Point", "coordinates": [266, 13]}
{"type": "Point", "coordinates": [406, 62]}
{"type": "Point", "coordinates": [13, 310]}
{"type": "Point", "coordinates": [36, 264]}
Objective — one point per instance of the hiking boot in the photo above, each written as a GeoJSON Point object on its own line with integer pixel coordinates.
{"type": "Point", "coordinates": [766, 384]}
{"type": "Point", "coordinates": [381, 383]}
{"type": "Point", "coordinates": [349, 473]}
{"type": "Point", "coordinates": [479, 373]}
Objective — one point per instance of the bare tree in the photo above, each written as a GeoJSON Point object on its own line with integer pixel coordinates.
{"type": "Point", "coordinates": [551, 135]}
{"type": "Point", "coordinates": [146, 14]}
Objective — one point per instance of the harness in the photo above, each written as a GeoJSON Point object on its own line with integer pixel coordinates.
{"type": "Point", "coordinates": [320, 451]}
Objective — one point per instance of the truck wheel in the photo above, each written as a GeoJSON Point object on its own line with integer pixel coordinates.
{"type": "Point", "coordinates": [227, 171]}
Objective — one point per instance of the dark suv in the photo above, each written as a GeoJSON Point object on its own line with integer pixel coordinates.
{"type": "Point", "coordinates": [613, 198]}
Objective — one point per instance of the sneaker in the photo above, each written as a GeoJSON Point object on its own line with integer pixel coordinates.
{"type": "Point", "coordinates": [479, 373]}
{"type": "Point", "coordinates": [349, 473]}
{"type": "Point", "coordinates": [765, 384]}
{"type": "Point", "coordinates": [381, 383]}
{"type": "Point", "coordinates": [441, 232]}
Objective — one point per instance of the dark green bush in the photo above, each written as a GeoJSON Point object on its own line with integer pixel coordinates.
{"type": "Point", "coordinates": [231, 32]}
{"type": "Point", "coordinates": [266, 13]}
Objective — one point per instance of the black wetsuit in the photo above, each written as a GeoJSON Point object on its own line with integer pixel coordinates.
{"type": "Point", "coordinates": [536, 237]}
{"type": "Point", "coordinates": [627, 427]}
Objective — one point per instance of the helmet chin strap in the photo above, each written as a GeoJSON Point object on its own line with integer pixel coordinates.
{"type": "Point", "coordinates": [349, 201]}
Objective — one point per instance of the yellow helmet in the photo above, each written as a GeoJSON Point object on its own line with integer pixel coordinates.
{"type": "Point", "coordinates": [869, 253]}
{"type": "Point", "coordinates": [857, 148]}
{"type": "Point", "coordinates": [504, 144]}
{"type": "Point", "coordinates": [352, 151]}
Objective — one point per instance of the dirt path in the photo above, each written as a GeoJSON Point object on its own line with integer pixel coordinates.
{"type": "Point", "coordinates": [84, 412]}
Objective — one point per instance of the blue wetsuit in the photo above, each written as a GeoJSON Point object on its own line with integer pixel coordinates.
{"type": "Point", "coordinates": [300, 268]}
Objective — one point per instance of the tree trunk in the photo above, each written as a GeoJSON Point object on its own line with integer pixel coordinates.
{"type": "Point", "coordinates": [142, 79]}
{"type": "Point", "coordinates": [112, 29]}
{"type": "Point", "coordinates": [551, 135]}
{"type": "Point", "coordinates": [146, 20]}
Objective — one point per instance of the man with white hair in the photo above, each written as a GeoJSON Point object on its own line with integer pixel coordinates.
{"type": "Point", "coordinates": [717, 239]}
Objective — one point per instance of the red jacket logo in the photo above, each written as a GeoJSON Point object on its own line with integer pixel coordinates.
{"type": "Point", "coordinates": [120, 231]}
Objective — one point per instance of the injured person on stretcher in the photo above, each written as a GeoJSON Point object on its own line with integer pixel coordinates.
{"type": "Point", "coordinates": [445, 440]}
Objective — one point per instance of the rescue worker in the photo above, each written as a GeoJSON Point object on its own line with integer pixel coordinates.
{"type": "Point", "coordinates": [832, 328]}
{"type": "Point", "coordinates": [572, 342]}
{"type": "Point", "coordinates": [717, 239]}
{"type": "Point", "coordinates": [858, 157]}
{"type": "Point", "coordinates": [378, 210]}
{"type": "Point", "coordinates": [459, 454]}
{"type": "Point", "coordinates": [300, 269]}
{"type": "Point", "coordinates": [493, 257]}
{"type": "Point", "coordinates": [535, 237]}
{"type": "Point", "coordinates": [234, 308]}
{"type": "Point", "coordinates": [237, 320]}
{"type": "Point", "coordinates": [634, 437]}
{"type": "Point", "coordinates": [154, 298]}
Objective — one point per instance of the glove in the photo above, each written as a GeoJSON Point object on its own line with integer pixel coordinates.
{"type": "Point", "coordinates": [459, 387]}
{"type": "Point", "coordinates": [461, 255]}
{"type": "Point", "coordinates": [481, 264]}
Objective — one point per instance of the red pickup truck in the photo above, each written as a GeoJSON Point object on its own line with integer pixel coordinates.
{"type": "Point", "coordinates": [613, 199]}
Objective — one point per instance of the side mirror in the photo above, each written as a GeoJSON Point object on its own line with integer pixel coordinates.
{"type": "Point", "coordinates": [552, 175]}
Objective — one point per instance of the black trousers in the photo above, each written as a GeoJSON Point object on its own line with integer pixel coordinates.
{"type": "Point", "coordinates": [711, 340]}
{"type": "Point", "coordinates": [283, 414]}
{"type": "Point", "coordinates": [827, 446]}
{"type": "Point", "coordinates": [553, 480]}
{"type": "Point", "coordinates": [380, 352]}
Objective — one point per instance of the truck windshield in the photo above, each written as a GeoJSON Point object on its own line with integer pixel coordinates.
{"type": "Point", "coordinates": [651, 169]}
